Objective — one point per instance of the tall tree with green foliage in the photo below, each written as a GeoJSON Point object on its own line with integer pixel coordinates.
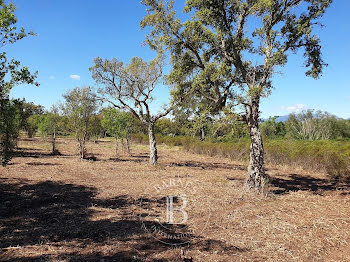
{"type": "Point", "coordinates": [49, 124]}
{"type": "Point", "coordinates": [10, 123]}
{"type": "Point", "coordinates": [118, 125]}
{"type": "Point", "coordinates": [30, 115]}
{"type": "Point", "coordinates": [165, 127]}
{"type": "Point", "coordinates": [227, 126]}
{"type": "Point", "coordinates": [202, 122]}
{"type": "Point", "coordinates": [80, 105]}
{"type": "Point", "coordinates": [229, 50]}
{"type": "Point", "coordinates": [96, 128]}
{"type": "Point", "coordinates": [11, 74]}
{"type": "Point", "coordinates": [131, 87]}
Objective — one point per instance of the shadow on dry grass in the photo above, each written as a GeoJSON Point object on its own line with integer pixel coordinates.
{"type": "Point", "coordinates": [208, 165]}
{"type": "Point", "coordinates": [294, 182]}
{"type": "Point", "coordinates": [35, 154]}
{"type": "Point", "coordinates": [53, 213]}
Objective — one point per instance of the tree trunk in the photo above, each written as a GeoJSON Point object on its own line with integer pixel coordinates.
{"type": "Point", "coordinates": [153, 156]}
{"type": "Point", "coordinates": [202, 137]}
{"type": "Point", "coordinates": [123, 146]}
{"type": "Point", "coordinates": [82, 148]}
{"type": "Point", "coordinates": [127, 144]}
{"type": "Point", "coordinates": [83, 141]}
{"type": "Point", "coordinates": [30, 133]}
{"type": "Point", "coordinates": [54, 142]}
{"type": "Point", "coordinates": [116, 146]}
{"type": "Point", "coordinates": [256, 170]}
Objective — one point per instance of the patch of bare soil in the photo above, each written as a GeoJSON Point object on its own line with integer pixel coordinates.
{"type": "Point", "coordinates": [60, 208]}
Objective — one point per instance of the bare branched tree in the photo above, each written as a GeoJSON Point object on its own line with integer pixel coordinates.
{"type": "Point", "coordinates": [130, 87]}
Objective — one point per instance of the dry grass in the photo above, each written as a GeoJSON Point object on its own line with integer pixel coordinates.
{"type": "Point", "coordinates": [59, 208]}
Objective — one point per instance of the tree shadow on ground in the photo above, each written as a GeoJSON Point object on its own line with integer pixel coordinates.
{"type": "Point", "coordinates": [36, 154]}
{"type": "Point", "coordinates": [55, 213]}
{"type": "Point", "coordinates": [135, 160]}
{"type": "Point", "coordinates": [140, 155]}
{"type": "Point", "coordinates": [42, 164]}
{"type": "Point", "coordinates": [27, 149]}
{"type": "Point", "coordinates": [218, 246]}
{"type": "Point", "coordinates": [207, 165]}
{"type": "Point", "coordinates": [294, 182]}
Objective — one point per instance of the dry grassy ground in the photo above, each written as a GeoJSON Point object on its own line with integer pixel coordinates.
{"type": "Point", "coordinates": [59, 208]}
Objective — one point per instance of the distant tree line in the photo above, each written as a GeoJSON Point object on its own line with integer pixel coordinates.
{"type": "Point", "coordinates": [306, 125]}
{"type": "Point", "coordinates": [68, 118]}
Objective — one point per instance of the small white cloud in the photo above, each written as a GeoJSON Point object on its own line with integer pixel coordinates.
{"type": "Point", "coordinates": [75, 77]}
{"type": "Point", "coordinates": [295, 108]}
{"type": "Point", "coordinates": [52, 77]}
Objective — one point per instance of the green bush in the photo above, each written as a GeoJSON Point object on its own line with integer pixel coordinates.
{"type": "Point", "coordinates": [329, 156]}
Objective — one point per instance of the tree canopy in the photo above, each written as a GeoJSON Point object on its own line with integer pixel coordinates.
{"type": "Point", "coordinates": [11, 74]}
{"type": "Point", "coordinates": [229, 50]}
{"type": "Point", "coordinates": [80, 105]}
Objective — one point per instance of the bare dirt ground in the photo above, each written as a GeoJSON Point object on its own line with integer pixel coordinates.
{"type": "Point", "coordinates": [60, 208]}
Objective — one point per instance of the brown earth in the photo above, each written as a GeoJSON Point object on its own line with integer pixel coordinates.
{"type": "Point", "coordinates": [60, 208]}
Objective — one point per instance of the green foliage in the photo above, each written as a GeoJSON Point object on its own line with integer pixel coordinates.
{"type": "Point", "coordinates": [95, 127]}
{"type": "Point", "coordinates": [168, 140]}
{"type": "Point", "coordinates": [50, 123]}
{"type": "Point", "coordinates": [32, 124]}
{"type": "Point", "coordinates": [272, 129]}
{"type": "Point", "coordinates": [80, 106]}
{"type": "Point", "coordinates": [342, 128]}
{"type": "Point", "coordinates": [228, 51]}
{"type": "Point", "coordinates": [215, 57]}
{"type": "Point", "coordinates": [330, 156]}
{"type": "Point", "coordinates": [29, 116]}
{"type": "Point", "coordinates": [227, 126]}
{"type": "Point", "coordinates": [11, 74]}
{"type": "Point", "coordinates": [201, 123]}
{"type": "Point", "coordinates": [117, 123]}
{"type": "Point", "coordinates": [165, 127]}
{"type": "Point", "coordinates": [9, 128]}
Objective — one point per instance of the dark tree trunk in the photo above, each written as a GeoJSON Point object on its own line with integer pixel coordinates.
{"type": "Point", "coordinates": [256, 170]}
{"type": "Point", "coordinates": [30, 133]}
{"type": "Point", "coordinates": [128, 144]}
{"type": "Point", "coordinates": [153, 156]}
{"type": "Point", "coordinates": [116, 146]}
{"type": "Point", "coordinates": [82, 148]}
{"type": "Point", "coordinates": [123, 145]}
{"type": "Point", "coordinates": [82, 143]}
{"type": "Point", "coordinates": [54, 142]}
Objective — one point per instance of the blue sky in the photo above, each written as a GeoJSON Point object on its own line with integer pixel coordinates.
{"type": "Point", "coordinates": [71, 33]}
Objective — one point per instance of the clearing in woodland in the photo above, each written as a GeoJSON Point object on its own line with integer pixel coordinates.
{"type": "Point", "coordinates": [61, 208]}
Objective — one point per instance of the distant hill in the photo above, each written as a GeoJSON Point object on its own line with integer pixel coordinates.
{"type": "Point", "coordinates": [282, 118]}
{"type": "Point", "coordinates": [278, 119]}
{"type": "Point", "coordinates": [286, 117]}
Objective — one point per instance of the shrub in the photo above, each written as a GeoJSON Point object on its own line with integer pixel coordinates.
{"type": "Point", "coordinates": [329, 156]}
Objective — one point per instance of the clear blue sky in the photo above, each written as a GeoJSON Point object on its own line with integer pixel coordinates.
{"type": "Point", "coordinates": [71, 33]}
